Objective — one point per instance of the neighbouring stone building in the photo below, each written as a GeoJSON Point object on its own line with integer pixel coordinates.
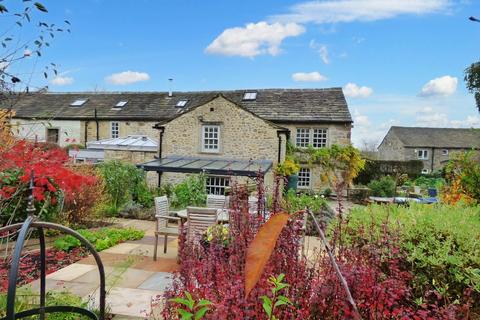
{"type": "Point", "coordinates": [433, 146]}
{"type": "Point", "coordinates": [243, 130]}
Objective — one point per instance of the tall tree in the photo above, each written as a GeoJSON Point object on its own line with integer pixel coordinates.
{"type": "Point", "coordinates": [472, 80]}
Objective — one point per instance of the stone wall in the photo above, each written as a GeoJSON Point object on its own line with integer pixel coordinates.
{"type": "Point", "coordinates": [126, 128]}
{"type": "Point", "coordinates": [391, 148]}
{"type": "Point", "coordinates": [336, 134]}
{"type": "Point", "coordinates": [69, 131]}
{"type": "Point", "coordinates": [243, 136]}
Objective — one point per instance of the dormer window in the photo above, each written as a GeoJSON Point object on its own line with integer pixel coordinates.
{"type": "Point", "coordinates": [249, 96]}
{"type": "Point", "coordinates": [181, 103]}
{"type": "Point", "coordinates": [121, 104]}
{"type": "Point", "coordinates": [78, 103]}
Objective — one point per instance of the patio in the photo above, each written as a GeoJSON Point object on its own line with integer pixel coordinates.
{"type": "Point", "coordinates": [133, 278]}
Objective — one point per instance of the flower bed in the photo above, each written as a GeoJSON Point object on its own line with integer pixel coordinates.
{"type": "Point", "coordinates": [30, 265]}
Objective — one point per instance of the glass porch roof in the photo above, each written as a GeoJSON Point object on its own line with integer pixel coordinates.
{"type": "Point", "coordinates": [250, 168]}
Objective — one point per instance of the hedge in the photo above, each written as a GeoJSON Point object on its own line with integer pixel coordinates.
{"type": "Point", "coordinates": [375, 169]}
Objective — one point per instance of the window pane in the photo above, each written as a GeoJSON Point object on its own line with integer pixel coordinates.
{"type": "Point", "coordinates": [211, 140]}
{"type": "Point", "coordinates": [319, 138]}
{"type": "Point", "coordinates": [216, 185]}
{"type": "Point", "coordinates": [303, 137]}
{"type": "Point", "coordinates": [303, 178]}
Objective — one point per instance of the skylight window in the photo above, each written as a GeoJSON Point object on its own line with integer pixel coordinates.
{"type": "Point", "coordinates": [78, 102]}
{"type": "Point", "coordinates": [121, 104]}
{"type": "Point", "coordinates": [249, 96]}
{"type": "Point", "coordinates": [181, 103]}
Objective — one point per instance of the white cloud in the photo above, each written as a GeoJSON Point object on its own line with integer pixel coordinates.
{"type": "Point", "coordinates": [359, 10]}
{"type": "Point", "coordinates": [254, 39]}
{"type": "Point", "coordinates": [308, 77]}
{"type": "Point", "coordinates": [322, 51]}
{"type": "Point", "coordinates": [352, 90]}
{"type": "Point", "coordinates": [427, 117]}
{"type": "Point", "coordinates": [127, 77]}
{"type": "Point", "coordinates": [443, 86]}
{"type": "Point", "coordinates": [61, 81]}
{"type": "Point", "coordinates": [361, 119]}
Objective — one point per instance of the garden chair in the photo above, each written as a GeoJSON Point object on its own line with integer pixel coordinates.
{"type": "Point", "coordinates": [217, 201]}
{"type": "Point", "coordinates": [162, 227]}
{"type": "Point", "coordinates": [198, 221]}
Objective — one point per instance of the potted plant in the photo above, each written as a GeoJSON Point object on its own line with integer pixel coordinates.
{"type": "Point", "coordinates": [289, 169]}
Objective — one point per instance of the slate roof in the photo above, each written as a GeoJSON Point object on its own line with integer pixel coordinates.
{"type": "Point", "coordinates": [437, 137]}
{"type": "Point", "coordinates": [277, 105]}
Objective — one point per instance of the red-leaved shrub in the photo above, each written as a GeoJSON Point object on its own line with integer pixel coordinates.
{"type": "Point", "coordinates": [375, 273]}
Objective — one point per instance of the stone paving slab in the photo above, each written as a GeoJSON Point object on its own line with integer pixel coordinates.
{"type": "Point", "coordinates": [147, 251]}
{"type": "Point", "coordinates": [129, 278]}
{"type": "Point", "coordinates": [128, 301]}
{"type": "Point", "coordinates": [158, 281]}
{"type": "Point", "coordinates": [72, 271]}
{"type": "Point", "coordinates": [77, 288]}
{"type": "Point", "coordinates": [122, 248]}
{"type": "Point", "coordinates": [161, 265]}
{"type": "Point", "coordinates": [110, 259]}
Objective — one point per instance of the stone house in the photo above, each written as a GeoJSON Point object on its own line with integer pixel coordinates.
{"type": "Point", "coordinates": [245, 129]}
{"type": "Point", "coordinates": [433, 146]}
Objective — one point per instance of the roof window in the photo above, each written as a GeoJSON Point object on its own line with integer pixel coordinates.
{"type": "Point", "coordinates": [121, 103]}
{"type": "Point", "coordinates": [181, 103]}
{"type": "Point", "coordinates": [249, 96]}
{"type": "Point", "coordinates": [78, 102]}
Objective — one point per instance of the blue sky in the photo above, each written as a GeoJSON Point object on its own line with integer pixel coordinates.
{"type": "Point", "coordinates": [400, 61]}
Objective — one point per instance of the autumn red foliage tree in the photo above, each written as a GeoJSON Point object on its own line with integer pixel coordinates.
{"type": "Point", "coordinates": [54, 182]}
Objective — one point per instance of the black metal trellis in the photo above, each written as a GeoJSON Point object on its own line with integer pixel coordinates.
{"type": "Point", "coordinates": [24, 227]}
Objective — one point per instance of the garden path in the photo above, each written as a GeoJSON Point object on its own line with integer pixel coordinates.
{"type": "Point", "coordinates": [134, 280]}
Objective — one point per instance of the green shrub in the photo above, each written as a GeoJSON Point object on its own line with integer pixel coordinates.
{"type": "Point", "coordinates": [124, 182]}
{"type": "Point", "coordinates": [190, 192]}
{"type": "Point", "coordinates": [26, 299]}
{"type": "Point", "coordinates": [101, 239]}
{"type": "Point", "coordinates": [294, 202]}
{"type": "Point", "coordinates": [384, 187]}
{"type": "Point", "coordinates": [441, 243]}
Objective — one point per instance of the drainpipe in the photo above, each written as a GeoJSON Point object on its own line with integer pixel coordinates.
{"type": "Point", "coordinates": [162, 130]}
{"type": "Point", "coordinates": [287, 136]}
{"type": "Point", "coordinates": [433, 156]}
{"type": "Point", "coordinates": [86, 132]}
{"type": "Point", "coordinates": [96, 121]}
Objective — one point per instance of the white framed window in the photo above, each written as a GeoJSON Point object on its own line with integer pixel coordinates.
{"type": "Point", "coordinates": [319, 138]}
{"type": "Point", "coordinates": [445, 152]}
{"type": "Point", "coordinates": [303, 137]}
{"type": "Point", "coordinates": [316, 137]}
{"type": "Point", "coordinates": [304, 178]}
{"type": "Point", "coordinates": [216, 185]}
{"type": "Point", "coordinates": [114, 129]}
{"type": "Point", "coordinates": [422, 154]}
{"type": "Point", "coordinates": [425, 171]}
{"type": "Point", "coordinates": [210, 138]}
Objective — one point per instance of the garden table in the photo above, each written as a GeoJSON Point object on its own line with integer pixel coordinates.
{"type": "Point", "coordinates": [222, 215]}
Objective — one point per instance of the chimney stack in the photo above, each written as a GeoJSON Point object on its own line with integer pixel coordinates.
{"type": "Point", "coordinates": [170, 93]}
